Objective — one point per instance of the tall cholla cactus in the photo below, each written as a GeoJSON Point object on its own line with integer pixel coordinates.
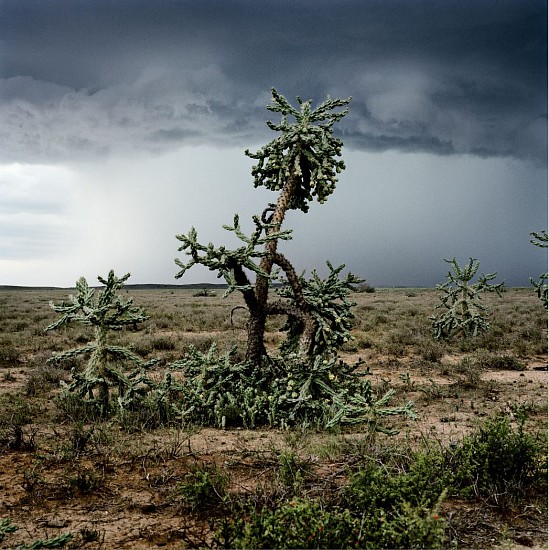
{"type": "Point", "coordinates": [540, 240]}
{"type": "Point", "coordinates": [300, 164]}
{"type": "Point", "coordinates": [105, 312]}
{"type": "Point", "coordinates": [465, 314]}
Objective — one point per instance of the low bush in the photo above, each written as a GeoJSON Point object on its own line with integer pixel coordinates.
{"type": "Point", "coordinates": [399, 508]}
{"type": "Point", "coordinates": [43, 378]}
{"type": "Point", "coordinates": [15, 414]}
{"type": "Point", "coordinates": [205, 486]}
{"type": "Point", "coordinates": [490, 361]}
{"type": "Point", "coordinates": [9, 355]}
{"type": "Point", "coordinates": [395, 502]}
{"type": "Point", "coordinates": [299, 523]}
{"type": "Point", "coordinates": [292, 471]}
{"type": "Point", "coordinates": [379, 510]}
{"type": "Point", "coordinates": [498, 462]}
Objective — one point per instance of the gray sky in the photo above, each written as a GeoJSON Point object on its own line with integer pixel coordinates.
{"type": "Point", "coordinates": [125, 123]}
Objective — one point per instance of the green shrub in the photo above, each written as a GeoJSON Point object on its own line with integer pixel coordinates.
{"type": "Point", "coordinates": [299, 523]}
{"type": "Point", "coordinates": [73, 407]}
{"type": "Point", "coordinates": [490, 361]}
{"type": "Point", "coordinates": [43, 378]}
{"type": "Point", "coordinates": [431, 351]}
{"type": "Point", "coordinates": [469, 370]}
{"type": "Point", "coordinates": [84, 481]}
{"type": "Point", "coordinates": [15, 413]}
{"type": "Point", "coordinates": [9, 355]}
{"type": "Point", "coordinates": [203, 487]}
{"type": "Point", "coordinates": [152, 410]}
{"type": "Point", "coordinates": [498, 462]}
{"type": "Point", "coordinates": [366, 288]}
{"type": "Point", "coordinates": [292, 470]}
{"type": "Point", "coordinates": [400, 508]}
{"type": "Point", "coordinates": [419, 482]}
{"type": "Point", "coordinates": [381, 507]}
{"type": "Point", "coordinates": [302, 523]}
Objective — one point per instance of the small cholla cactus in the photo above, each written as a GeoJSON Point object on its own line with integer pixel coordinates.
{"type": "Point", "coordinates": [465, 314]}
{"type": "Point", "coordinates": [105, 312]}
{"type": "Point", "coordinates": [540, 240]}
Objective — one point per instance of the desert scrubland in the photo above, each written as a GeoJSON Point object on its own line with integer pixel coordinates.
{"type": "Point", "coordinates": [468, 471]}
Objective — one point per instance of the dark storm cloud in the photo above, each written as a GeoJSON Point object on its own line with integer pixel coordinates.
{"type": "Point", "coordinates": [83, 77]}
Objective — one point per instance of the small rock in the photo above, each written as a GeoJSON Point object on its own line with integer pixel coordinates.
{"type": "Point", "coordinates": [55, 523]}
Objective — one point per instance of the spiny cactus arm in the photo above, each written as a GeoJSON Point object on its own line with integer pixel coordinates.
{"type": "Point", "coordinates": [356, 409]}
{"type": "Point", "coordinates": [85, 293]}
{"type": "Point", "coordinates": [256, 239]}
{"type": "Point", "coordinates": [230, 264]}
{"type": "Point", "coordinates": [142, 368]}
{"type": "Point", "coordinates": [471, 269]}
{"type": "Point", "coordinates": [120, 352]}
{"type": "Point", "coordinates": [294, 281]}
{"type": "Point", "coordinates": [541, 289]}
{"type": "Point", "coordinates": [328, 305]}
{"type": "Point", "coordinates": [438, 327]}
{"type": "Point", "coordinates": [6, 526]}
{"type": "Point", "coordinates": [140, 375]}
{"type": "Point", "coordinates": [66, 319]}
{"type": "Point", "coordinates": [122, 313]}
{"type": "Point", "coordinates": [215, 259]}
{"type": "Point", "coordinates": [483, 284]}
{"type": "Point", "coordinates": [77, 309]}
{"type": "Point", "coordinates": [112, 285]}
{"type": "Point", "coordinates": [70, 354]}
{"type": "Point", "coordinates": [449, 297]}
{"type": "Point", "coordinates": [90, 379]}
{"type": "Point", "coordinates": [332, 289]}
{"type": "Point", "coordinates": [81, 384]}
{"type": "Point", "coordinates": [281, 307]}
{"type": "Point", "coordinates": [305, 114]}
{"type": "Point", "coordinates": [462, 274]}
{"type": "Point", "coordinates": [112, 310]}
{"type": "Point", "coordinates": [540, 239]}
{"type": "Point", "coordinates": [114, 376]}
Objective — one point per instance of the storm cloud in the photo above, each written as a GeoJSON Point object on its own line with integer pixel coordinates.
{"type": "Point", "coordinates": [87, 78]}
{"type": "Point", "coordinates": [124, 123]}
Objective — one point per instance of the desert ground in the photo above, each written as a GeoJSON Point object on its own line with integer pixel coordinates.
{"type": "Point", "coordinates": [122, 483]}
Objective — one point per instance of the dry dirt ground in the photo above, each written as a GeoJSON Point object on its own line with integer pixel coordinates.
{"type": "Point", "coordinates": [119, 492]}
{"type": "Point", "coordinates": [134, 506]}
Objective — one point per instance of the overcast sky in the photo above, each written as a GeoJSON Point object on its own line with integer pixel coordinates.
{"type": "Point", "coordinates": [124, 123]}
